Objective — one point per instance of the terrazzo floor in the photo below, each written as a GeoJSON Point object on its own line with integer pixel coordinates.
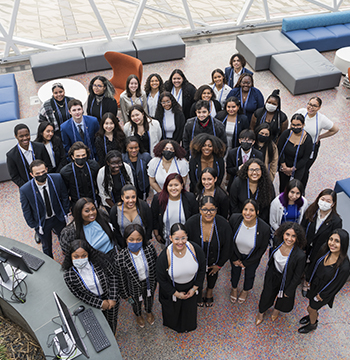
{"type": "Point", "coordinates": [226, 331]}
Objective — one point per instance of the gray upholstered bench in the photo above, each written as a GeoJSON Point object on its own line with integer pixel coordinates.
{"type": "Point", "coordinates": [94, 53]}
{"type": "Point", "coordinates": [59, 63]}
{"type": "Point", "coordinates": [258, 48]}
{"type": "Point", "coordinates": [305, 71]}
{"type": "Point", "coordinates": [157, 48]}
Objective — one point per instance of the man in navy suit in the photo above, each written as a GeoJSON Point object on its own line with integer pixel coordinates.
{"type": "Point", "coordinates": [79, 128]}
{"type": "Point", "coordinates": [20, 156]}
{"type": "Point", "coordinates": [45, 204]}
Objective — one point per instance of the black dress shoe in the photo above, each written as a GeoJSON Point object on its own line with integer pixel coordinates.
{"type": "Point", "coordinates": [307, 328]}
{"type": "Point", "coordinates": [304, 320]}
{"type": "Point", "coordinates": [37, 239]}
{"type": "Point", "coordinates": [303, 292]}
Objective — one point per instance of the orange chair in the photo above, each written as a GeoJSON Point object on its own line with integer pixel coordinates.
{"type": "Point", "coordinates": [123, 66]}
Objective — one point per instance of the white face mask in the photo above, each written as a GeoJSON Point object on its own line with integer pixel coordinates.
{"type": "Point", "coordinates": [324, 205]}
{"type": "Point", "coordinates": [80, 263]}
{"type": "Point", "coordinates": [270, 107]}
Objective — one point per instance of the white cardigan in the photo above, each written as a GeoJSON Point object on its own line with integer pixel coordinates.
{"type": "Point", "coordinates": [155, 133]}
{"type": "Point", "coordinates": [276, 212]}
{"type": "Point", "coordinates": [101, 188]}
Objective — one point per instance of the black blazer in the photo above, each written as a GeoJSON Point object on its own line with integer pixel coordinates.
{"type": "Point", "coordinates": [217, 106]}
{"type": "Point", "coordinates": [193, 229]}
{"type": "Point", "coordinates": [196, 169]}
{"type": "Point", "coordinates": [316, 240]}
{"type": "Point", "coordinates": [108, 105]}
{"type": "Point", "coordinates": [232, 165]}
{"type": "Point", "coordinates": [222, 201]}
{"type": "Point", "coordinates": [189, 204]}
{"type": "Point", "coordinates": [262, 240]}
{"type": "Point", "coordinates": [242, 124]}
{"type": "Point", "coordinates": [115, 144]}
{"type": "Point", "coordinates": [16, 167]}
{"type": "Point", "coordinates": [147, 213]}
{"type": "Point", "coordinates": [129, 284]}
{"type": "Point", "coordinates": [180, 121]}
{"type": "Point", "coordinates": [239, 194]}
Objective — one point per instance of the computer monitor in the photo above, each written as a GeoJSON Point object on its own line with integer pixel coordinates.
{"type": "Point", "coordinates": [13, 259]}
{"type": "Point", "coordinates": [68, 325]}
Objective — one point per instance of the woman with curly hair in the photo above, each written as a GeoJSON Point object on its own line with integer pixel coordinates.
{"type": "Point", "coordinates": [205, 92]}
{"type": "Point", "coordinates": [80, 265]}
{"type": "Point", "coordinates": [271, 114]}
{"type": "Point", "coordinates": [236, 69]}
{"type": "Point", "coordinates": [110, 136]}
{"type": "Point", "coordinates": [285, 268]}
{"type": "Point", "coordinates": [264, 144]}
{"type": "Point", "coordinates": [172, 205]}
{"type": "Point", "coordinates": [153, 89]}
{"type": "Point", "coordinates": [219, 86]}
{"type": "Point", "coordinates": [206, 151]}
{"type": "Point", "coordinates": [169, 158]}
{"type": "Point", "coordinates": [251, 98]}
{"type": "Point", "coordinates": [252, 182]}
{"type": "Point", "coordinates": [182, 90]}
{"type": "Point", "coordinates": [101, 98]}
{"type": "Point", "coordinates": [132, 95]}
{"type": "Point", "coordinates": [112, 177]}
{"type": "Point", "coordinates": [170, 116]}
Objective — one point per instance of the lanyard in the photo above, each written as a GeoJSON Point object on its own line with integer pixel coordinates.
{"type": "Point", "coordinates": [149, 294]}
{"type": "Point", "coordinates": [60, 117]}
{"type": "Point", "coordinates": [235, 130]}
{"type": "Point", "coordinates": [221, 91]}
{"type": "Point", "coordinates": [23, 160]}
{"type": "Point", "coordinates": [248, 190]}
{"type": "Point", "coordinates": [105, 143]}
{"type": "Point", "coordinates": [58, 198]}
{"type": "Point", "coordinates": [209, 242]}
{"type": "Point", "coordinates": [41, 232]}
{"type": "Point", "coordinates": [256, 231]}
{"type": "Point", "coordinates": [132, 103]}
{"type": "Point", "coordinates": [217, 166]}
{"type": "Point", "coordinates": [87, 137]}
{"type": "Point", "coordinates": [122, 219]}
{"type": "Point", "coordinates": [296, 214]}
{"type": "Point", "coordinates": [263, 118]}
{"type": "Point", "coordinates": [167, 214]}
{"type": "Point", "coordinates": [173, 93]}
{"type": "Point", "coordinates": [93, 274]}
{"type": "Point", "coordinates": [143, 181]}
{"type": "Point", "coordinates": [244, 105]}
{"type": "Point", "coordinates": [100, 106]}
{"type": "Point", "coordinates": [195, 122]}
{"type": "Point", "coordinates": [177, 167]}
{"type": "Point", "coordinates": [91, 181]}
{"type": "Point", "coordinates": [172, 262]}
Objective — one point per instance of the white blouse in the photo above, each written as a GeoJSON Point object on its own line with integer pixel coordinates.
{"type": "Point", "coordinates": [280, 260]}
{"type": "Point", "coordinates": [245, 239]}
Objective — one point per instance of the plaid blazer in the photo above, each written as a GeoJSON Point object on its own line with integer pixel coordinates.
{"type": "Point", "coordinates": [108, 282]}
{"type": "Point", "coordinates": [128, 279]}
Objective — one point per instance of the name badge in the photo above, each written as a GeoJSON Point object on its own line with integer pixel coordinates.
{"type": "Point", "coordinates": [140, 298]}
{"type": "Point", "coordinates": [149, 293]}
{"type": "Point", "coordinates": [280, 294]}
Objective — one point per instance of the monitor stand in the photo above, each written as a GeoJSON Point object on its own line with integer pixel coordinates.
{"type": "Point", "coordinates": [7, 278]}
{"type": "Point", "coordinates": [63, 340]}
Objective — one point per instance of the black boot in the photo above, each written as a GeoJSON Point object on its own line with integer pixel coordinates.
{"type": "Point", "coordinates": [307, 328]}
{"type": "Point", "coordinates": [304, 320]}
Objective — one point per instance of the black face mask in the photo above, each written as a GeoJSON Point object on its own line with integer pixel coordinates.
{"type": "Point", "coordinates": [168, 155]}
{"type": "Point", "coordinates": [297, 130]}
{"type": "Point", "coordinates": [263, 138]}
{"type": "Point", "coordinates": [81, 161]}
{"type": "Point", "coordinates": [41, 178]}
{"type": "Point", "coordinates": [205, 120]}
{"type": "Point", "coordinates": [245, 145]}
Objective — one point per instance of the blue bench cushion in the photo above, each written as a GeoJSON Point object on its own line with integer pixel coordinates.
{"type": "Point", "coordinates": [9, 103]}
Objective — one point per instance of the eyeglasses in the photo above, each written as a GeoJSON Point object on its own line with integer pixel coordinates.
{"type": "Point", "coordinates": [254, 171]}
{"type": "Point", "coordinates": [184, 238]}
{"type": "Point", "coordinates": [313, 105]}
{"type": "Point", "coordinates": [98, 86]}
{"type": "Point", "coordinates": [208, 211]}
{"type": "Point", "coordinates": [165, 102]}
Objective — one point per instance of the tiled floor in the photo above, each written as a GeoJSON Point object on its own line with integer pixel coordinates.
{"type": "Point", "coordinates": [225, 331]}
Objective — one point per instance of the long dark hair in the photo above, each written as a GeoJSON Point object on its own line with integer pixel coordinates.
{"type": "Point", "coordinates": [148, 83]}
{"type": "Point", "coordinates": [109, 88]}
{"type": "Point", "coordinates": [268, 145]}
{"type": "Point", "coordinates": [79, 223]}
{"type": "Point", "coordinates": [118, 133]}
{"type": "Point", "coordinates": [236, 101]}
{"type": "Point", "coordinates": [130, 187]}
{"type": "Point", "coordinates": [312, 209]}
{"type": "Point", "coordinates": [94, 255]}
{"type": "Point", "coordinates": [41, 128]}
{"type": "Point", "coordinates": [108, 179]}
{"type": "Point", "coordinates": [298, 229]}
{"type": "Point", "coordinates": [264, 184]}
{"type": "Point", "coordinates": [219, 71]}
{"type": "Point", "coordinates": [284, 196]}
{"type": "Point", "coordinates": [199, 185]}
{"type": "Point", "coordinates": [163, 196]}
{"type": "Point", "coordinates": [175, 106]}
{"type": "Point", "coordinates": [146, 118]}
{"type": "Point", "coordinates": [199, 140]}
{"type": "Point", "coordinates": [138, 91]}
{"type": "Point", "coordinates": [200, 90]}
{"type": "Point", "coordinates": [180, 152]}
{"type": "Point", "coordinates": [130, 229]}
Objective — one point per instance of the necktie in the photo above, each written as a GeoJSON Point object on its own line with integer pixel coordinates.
{"type": "Point", "coordinates": [245, 158]}
{"type": "Point", "coordinates": [81, 132]}
{"type": "Point", "coordinates": [47, 202]}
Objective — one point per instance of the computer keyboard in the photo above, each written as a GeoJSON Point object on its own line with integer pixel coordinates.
{"type": "Point", "coordinates": [33, 262]}
{"type": "Point", "coordinates": [94, 330]}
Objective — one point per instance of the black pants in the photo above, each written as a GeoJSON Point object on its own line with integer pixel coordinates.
{"type": "Point", "coordinates": [148, 300]}
{"type": "Point", "coordinates": [249, 275]}
{"type": "Point", "coordinates": [308, 165]}
{"type": "Point", "coordinates": [211, 281]}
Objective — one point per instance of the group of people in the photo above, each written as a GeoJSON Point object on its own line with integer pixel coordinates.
{"type": "Point", "coordinates": [224, 143]}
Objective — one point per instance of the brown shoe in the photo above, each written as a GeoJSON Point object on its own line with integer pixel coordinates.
{"type": "Point", "coordinates": [150, 318]}
{"type": "Point", "coordinates": [140, 321]}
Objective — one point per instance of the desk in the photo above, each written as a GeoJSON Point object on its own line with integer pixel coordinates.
{"type": "Point", "coordinates": [72, 88]}
{"type": "Point", "coordinates": [36, 313]}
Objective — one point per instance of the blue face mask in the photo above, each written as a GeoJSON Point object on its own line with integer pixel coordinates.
{"type": "Point", "coordinates": [135, 247]}
{"type": "Point", "coordinates": [80, 263]}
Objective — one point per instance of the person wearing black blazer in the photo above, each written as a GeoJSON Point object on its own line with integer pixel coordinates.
{"type": "Point", "coordinates": [213, 233]}
{"type": "Point", "coordinates": [83, 263]}
{"type": "Point", "coordinates": [136, 282]}
{"type": "Point", "coordinates": [53, 145]}
{"type": "Point", "coordinates": [250, 240]}
{"type": "Point", "coordinates": [45, 204]}
{"type": "Point", "coordinates": [285, 268]}
{"type": "Point", "coordinates": [20, 156]}
{"type": "Point", "coordinates": [205, 92]}
{"type": "Point", "coordinates": [170, 116]}
{"type": "Point", "coordinates": [241, 154]}
{"type": "Point", "coordinates": [173, 202]}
